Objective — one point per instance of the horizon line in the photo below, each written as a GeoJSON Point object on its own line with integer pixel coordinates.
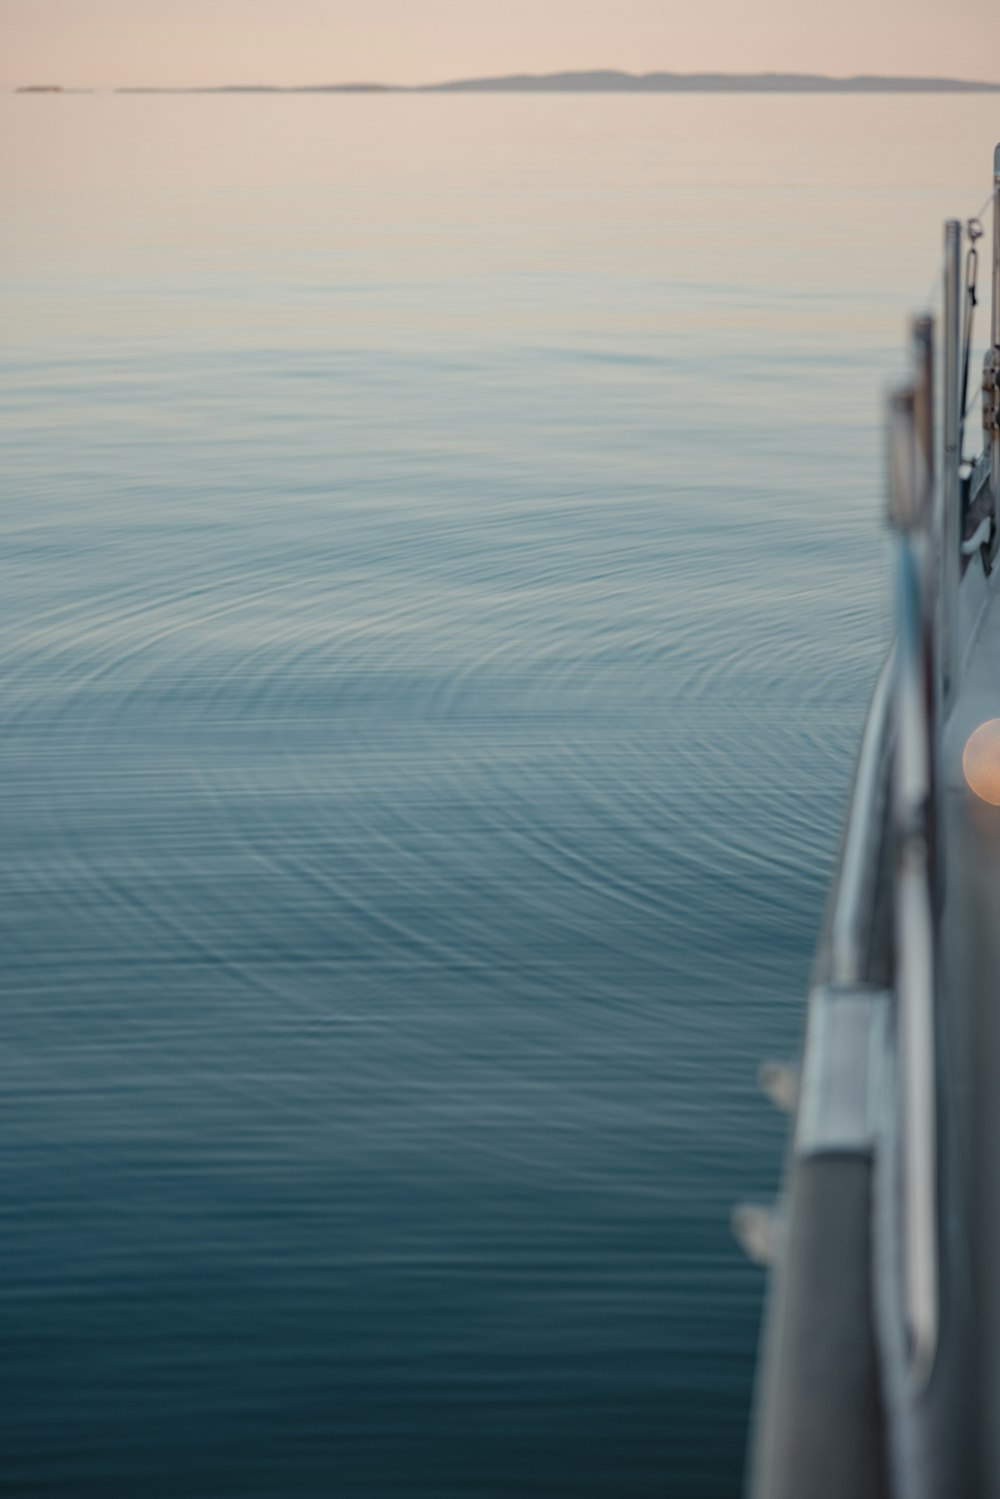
{"type": "Point", "coordinates": [597, 80]}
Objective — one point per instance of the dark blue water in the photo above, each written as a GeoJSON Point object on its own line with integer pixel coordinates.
{"type": "Point", "coordinates": [439, 592]}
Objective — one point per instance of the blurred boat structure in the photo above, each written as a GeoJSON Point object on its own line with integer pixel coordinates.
{"type": "Point", "coordinates": [880, 1366]}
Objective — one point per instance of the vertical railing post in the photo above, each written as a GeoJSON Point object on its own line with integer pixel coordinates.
{"type": "Point", "coordinates": [923, 414]}
{"type": "Point", "coordinates": [927, 513]}
{"type": "Point", "coordinates": [951, 519]}
{"type": "Point", "coordinates": [991, 372]}
{"type": "Point", "coordinates": [996, 247]}
{"type": "Point", "coordinates": [922, 345]}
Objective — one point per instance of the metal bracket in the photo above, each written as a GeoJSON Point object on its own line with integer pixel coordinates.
{"type": "Point", "coordinates": [842, 1081]}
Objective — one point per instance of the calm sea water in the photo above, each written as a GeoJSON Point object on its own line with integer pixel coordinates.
{"type": "Point", "coordinates": [440, 585]}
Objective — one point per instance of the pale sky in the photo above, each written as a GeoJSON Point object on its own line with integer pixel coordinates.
{"type": "Point", "coordinates": [109, 43]}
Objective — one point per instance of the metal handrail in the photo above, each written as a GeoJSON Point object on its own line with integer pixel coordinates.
{"type": "Point", "coordinates": [850, 923]}
{"type": "Point", "coordinates": [915, 945]}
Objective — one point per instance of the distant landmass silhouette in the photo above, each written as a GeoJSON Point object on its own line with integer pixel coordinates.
{"type": "Point", "coordinates": [603, 81]}
{"type": "Point", "coordinates": [611, 81]}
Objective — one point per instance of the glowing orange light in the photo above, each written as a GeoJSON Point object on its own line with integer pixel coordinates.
{"type": "Point", "coordinates": [981, 761]}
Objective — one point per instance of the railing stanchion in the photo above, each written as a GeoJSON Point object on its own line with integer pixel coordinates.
{"type": "Point", "coordinates": [991, 372]}
{"type": "Point", "coordinates": [949, 538]}
{"type": "Point", "coordinates": [996, 248]}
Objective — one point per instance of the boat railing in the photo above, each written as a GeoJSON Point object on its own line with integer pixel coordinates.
{"type": "Point", "coordinates": [847, 1349]}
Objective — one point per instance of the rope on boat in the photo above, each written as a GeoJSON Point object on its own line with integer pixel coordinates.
{"type": "Point", "coordinates": [933, 290]}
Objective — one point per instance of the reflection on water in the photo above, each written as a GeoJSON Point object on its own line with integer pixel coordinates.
{"type": "Point", "coordinates": [440, 592]}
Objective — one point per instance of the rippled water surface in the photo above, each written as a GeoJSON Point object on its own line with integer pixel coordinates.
{"type": "Point", "coordinates": [440, 585]}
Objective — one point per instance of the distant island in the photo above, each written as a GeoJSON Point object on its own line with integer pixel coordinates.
{"type": "Point", "coordinates": [610, 81]}
{"type": "Point", "coordinates": [602, 81]}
